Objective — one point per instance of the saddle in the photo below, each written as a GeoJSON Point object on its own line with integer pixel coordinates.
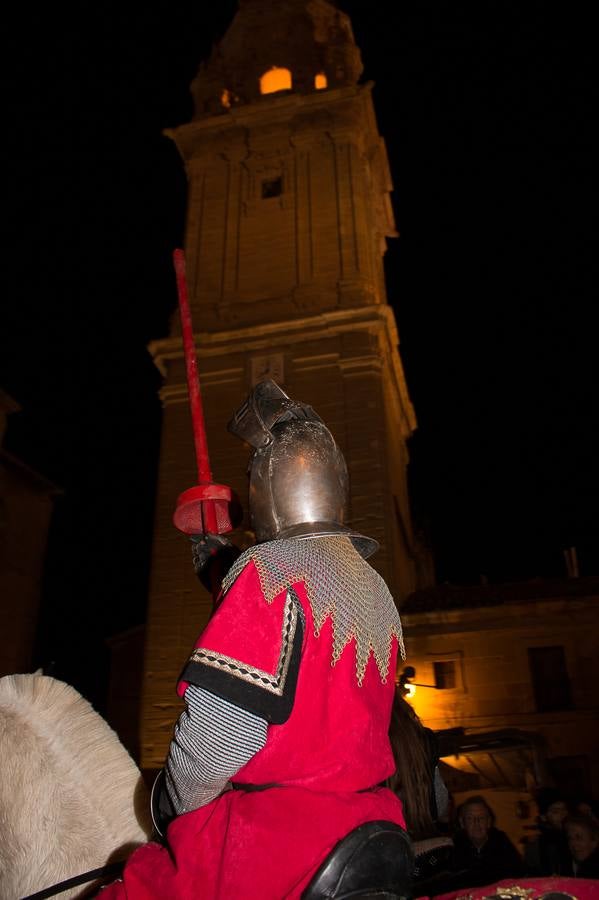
{"type": "Point", "coordinates": [372, 861]}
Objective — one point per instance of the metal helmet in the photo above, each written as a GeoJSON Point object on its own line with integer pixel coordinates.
{"type": "Point", "coordinates": [298, 476]}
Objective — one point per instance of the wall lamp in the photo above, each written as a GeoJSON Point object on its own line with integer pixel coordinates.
{"type": "Point", "coordinates": [407, 686]}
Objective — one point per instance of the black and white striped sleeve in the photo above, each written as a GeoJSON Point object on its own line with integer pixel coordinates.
{"type": "Point", "coordinates": [213, 740]}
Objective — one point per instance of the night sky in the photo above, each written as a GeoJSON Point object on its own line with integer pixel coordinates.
{"type": "Point", "coordinates": [486, 112]}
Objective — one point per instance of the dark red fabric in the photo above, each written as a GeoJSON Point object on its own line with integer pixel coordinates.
{"type": "Point", "coordinates": [245, 626]}
{"type": "Point", "coordinates": [579, 888]}
{"type": "Point", "coordinates": [326, 760]}
{"type": "Point", "coordinates": [250, 846]}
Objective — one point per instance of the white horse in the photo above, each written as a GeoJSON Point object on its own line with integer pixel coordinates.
{"type": "Point", "coordinates": [71, 798]}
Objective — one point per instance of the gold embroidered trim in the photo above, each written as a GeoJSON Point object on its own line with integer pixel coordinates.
{"type": "Point", "coordinates": [513, 891]}
{"type": "Point", "coordinates": [275, 684]}
{"type": "Point", "coordinates": [509, 892]}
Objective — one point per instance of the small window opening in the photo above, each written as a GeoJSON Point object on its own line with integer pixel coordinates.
{"type": "Point", "coordinates": [276, 79]}
{"type": "Point", "coordinates": [550, 679]}
{"type": "Point", "coordinates": [272, 187]}
{"type": "Point", "coordinates": [445, 676]}
{"type": "Point", "coordinates": [226, 98]}
{"type": "Point", "coordinates": [320, 81]}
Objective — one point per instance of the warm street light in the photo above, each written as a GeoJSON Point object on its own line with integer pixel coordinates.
{"type": "Point", "coordinates": [407, 686]}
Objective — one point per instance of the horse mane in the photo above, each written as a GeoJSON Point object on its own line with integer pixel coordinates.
{"type": "Point", "coordinates": [412, 746]}
{"type": "Point", "coordinates": [71, 797]}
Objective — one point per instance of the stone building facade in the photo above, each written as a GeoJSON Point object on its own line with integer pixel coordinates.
{"type": "Point", "coordinates": [522, 656]}
{"type": "Point", "coordinates": [288, 217]}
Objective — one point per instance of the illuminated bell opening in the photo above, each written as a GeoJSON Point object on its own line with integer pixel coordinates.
{"type": "Point", "coordinates": [320, 81]}
{"type": "Point", "coordinates": [276, 79]}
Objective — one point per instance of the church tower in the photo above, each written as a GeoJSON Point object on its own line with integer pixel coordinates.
{"type": "Point", "coordinates": [288, 216]}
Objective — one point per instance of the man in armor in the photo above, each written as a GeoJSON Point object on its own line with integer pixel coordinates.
{"type": "Point", "coordinates": [283, 745]}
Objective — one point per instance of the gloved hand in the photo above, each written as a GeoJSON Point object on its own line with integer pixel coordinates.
{"type": "Point", "coordinates": [204, 547]}
{"type": "Point", "coordinates": [213, 555]}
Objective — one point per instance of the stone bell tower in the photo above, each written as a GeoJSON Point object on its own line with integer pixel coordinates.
{"type": "Point", "coordinates": [288, 216]}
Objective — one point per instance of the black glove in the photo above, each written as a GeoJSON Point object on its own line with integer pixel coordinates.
{"type": "Point", "coordinates": [212, 555]}
{"type": "Point", "coordinates": [205, 547]}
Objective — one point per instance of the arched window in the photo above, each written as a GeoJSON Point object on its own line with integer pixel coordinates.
{"type": "Point", "coordinates": [320, 81]}
{"type": "Point", "coordinates": [274, 80]}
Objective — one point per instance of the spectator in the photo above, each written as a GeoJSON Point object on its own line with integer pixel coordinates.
{"type": "Point", "coordinates": [583, 841]}
{"type": "Point", "coordinates": [483, 853]}
{"type": "Point", "coordinates": [586, 806]}
{"type": "Point", "coordinates": [549, 854]}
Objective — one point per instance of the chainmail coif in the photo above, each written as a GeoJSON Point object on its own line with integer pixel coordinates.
{"type": "Point", "coordinates": [339, 584]}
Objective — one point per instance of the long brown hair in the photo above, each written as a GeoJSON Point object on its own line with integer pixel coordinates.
{"type": "Point", "coordinates": [415, 760]}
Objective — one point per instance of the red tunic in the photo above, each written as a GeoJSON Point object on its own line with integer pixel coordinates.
{"type": "Point", "coordinates": [327, 749]}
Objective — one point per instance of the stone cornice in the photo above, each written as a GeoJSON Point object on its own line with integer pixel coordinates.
{"type": "Point", "coordinates": [26, 474]}
{"type": "Point", "coordinates": [378, 319]}
{"type": "Point", "coordinates": [258, 337]}
{"type": "Point", "coordinates": [522, 613]}
{"type": "Point", "coordinates": [274, 110]}
{"type": "Point", "coordinates": [281, 106]}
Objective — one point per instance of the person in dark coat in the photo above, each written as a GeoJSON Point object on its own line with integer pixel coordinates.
{"type": "Point", "coordinates": [586, 806]}
{"type": "Point", "coordinates": [548, 854]}
{"type": "Point", "coordinates": [583, 840]}
{"type": "Point", "coordinates": [482, 853]}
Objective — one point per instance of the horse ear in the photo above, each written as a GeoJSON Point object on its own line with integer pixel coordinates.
{"type": "Point", "coordinates": [38, 672]}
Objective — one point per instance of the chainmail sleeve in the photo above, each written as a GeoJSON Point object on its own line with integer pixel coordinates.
{"type": "Point", "coordinates": [213, 740]}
